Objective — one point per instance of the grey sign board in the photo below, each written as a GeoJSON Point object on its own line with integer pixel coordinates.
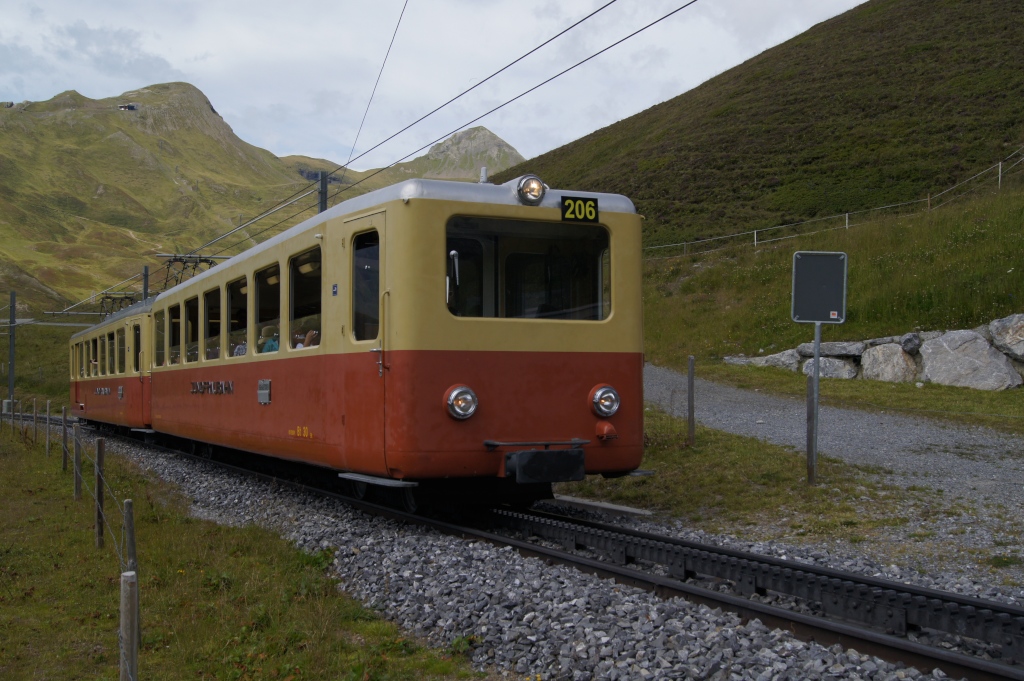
{"type": "Point", "coordinates": [819, 287]}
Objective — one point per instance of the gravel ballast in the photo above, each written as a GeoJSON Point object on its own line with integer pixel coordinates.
{"type": "Point", "coordinates": [516, 615]}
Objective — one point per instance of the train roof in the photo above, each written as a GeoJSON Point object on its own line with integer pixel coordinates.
{"type": "Point", "coordinates": [141, 307]}
{"type": "Point", "coordinates": [436, 190]}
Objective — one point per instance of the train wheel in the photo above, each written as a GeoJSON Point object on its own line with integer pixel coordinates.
{"type": "Point", "coordinates": [358, 489]}
{"type": "Point", "coordinates": [408, 500]}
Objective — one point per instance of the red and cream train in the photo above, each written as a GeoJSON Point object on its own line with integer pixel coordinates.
{"type": "Point", "coordinates": [423, 332]}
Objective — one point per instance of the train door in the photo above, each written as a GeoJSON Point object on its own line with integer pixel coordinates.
{"type": "Point", "coordinates": [141, 368]}
{"type": "Point", "coordinates": [366, 366]}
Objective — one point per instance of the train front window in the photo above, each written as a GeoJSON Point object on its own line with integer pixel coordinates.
{"type": "Point", "coordinates": [524, 269]}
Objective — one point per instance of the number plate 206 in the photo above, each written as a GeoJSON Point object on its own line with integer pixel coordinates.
{"type": "Point", "coordinates": [579, 209]}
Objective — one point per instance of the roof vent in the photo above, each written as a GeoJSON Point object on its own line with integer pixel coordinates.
{"type": "Point", "coordinates": [483, 175]}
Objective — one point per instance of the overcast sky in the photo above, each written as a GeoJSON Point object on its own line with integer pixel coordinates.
{"type": "Point", "coordinates": [295, 78]}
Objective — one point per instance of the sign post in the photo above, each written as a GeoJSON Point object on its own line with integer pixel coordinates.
{"type": "Point", "coordinates": [819, 297]}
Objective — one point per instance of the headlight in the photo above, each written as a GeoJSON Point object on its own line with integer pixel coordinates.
{"type": "Point", "coordinates": [604, 401]}
{"type": "Point", "coordinates": [461, 402]}
{"type": "Point", "coordinates": [530, 190]}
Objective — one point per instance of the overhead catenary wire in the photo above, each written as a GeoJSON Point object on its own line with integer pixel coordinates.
{"type": "Point", "coordinates": [424, 116]}
{"type": "Point", "coordinates": [502, 105]}
{"type": "Point", "coordinates": [522, 94]}
{"type": "Point", "coordinates": [380, 73]}
{"type": "Point", "coordinates": [475, 86]}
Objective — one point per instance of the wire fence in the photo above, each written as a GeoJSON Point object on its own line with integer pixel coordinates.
{"type": "Point", "coordinates": [997, 172]}
{"type": "Point", "coordinates": [25, 427]}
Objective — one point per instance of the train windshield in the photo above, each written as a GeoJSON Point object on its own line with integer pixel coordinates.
{"type": "Point", "coordinates": [526, 269]}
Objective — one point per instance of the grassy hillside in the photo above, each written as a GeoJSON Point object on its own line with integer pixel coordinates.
{"type": "Point", "coordinates": [887, 102]}
{"type": "Point", "coordinates": [457, 158]}
{"type": "Point", "coordinates": [952, 268]}
{"type": "Point", "coordinates": [88, 190]}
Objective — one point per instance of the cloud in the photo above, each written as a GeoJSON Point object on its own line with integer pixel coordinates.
{"type": "Point", "coordinates": [115, 52]}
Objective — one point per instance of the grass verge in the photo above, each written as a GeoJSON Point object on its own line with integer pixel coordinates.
{"type": "Point", "coordinates": [727, 481]}
{"type": "Point", "coordinates": [217, 602]}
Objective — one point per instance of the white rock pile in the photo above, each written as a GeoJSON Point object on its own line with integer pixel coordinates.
{"type": "Point", "coordinates": [990, 357]}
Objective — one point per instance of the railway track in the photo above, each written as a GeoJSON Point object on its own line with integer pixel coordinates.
{"type": "Point", "coordinates": [866, 613]}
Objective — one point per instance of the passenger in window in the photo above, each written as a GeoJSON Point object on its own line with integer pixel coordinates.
{"type": "Point", "coordinates": [307, 340]}
{"type": "Point", "coordinates": [268, 339]}
{"type": "Point", "coordinates": [240, 349]}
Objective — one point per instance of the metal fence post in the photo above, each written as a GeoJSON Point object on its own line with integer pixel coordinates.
{"type": "Point", "coordinates": [35, 422]}
{"type": "Point", "coordinates": [47, 427]}
{"type": "Point", "coordinates": [129, 632]}
{"type": "Point", "coordinates": [691, 422]}
{"type": "Point", "coordinates": [100, 449]}
{"type": "Point", "coordinates": [78, 463]}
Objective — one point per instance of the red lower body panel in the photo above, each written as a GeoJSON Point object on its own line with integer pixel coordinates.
{"type": "Point", "coordinates": [337, 411]}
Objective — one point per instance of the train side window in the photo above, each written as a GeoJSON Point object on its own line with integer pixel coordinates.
{"type": "Point", "coordinates": [238, 317]}
{"type": "Point", "coordinates": [102, 357]}
{"type": "Point", "coordinates": [366, 286]}
{"type": "Point", "coordinates": [211, 324]}
{"type": "Point", "coordinates": [305, 273]}
{"type": "Point", "coordinates": [174, 334]}
{"type": "Point", "coordinates": [111, 354]}
{"type": "Point", "coordinates": [159, 337]}
{"type": "Point", "coordinates": [136, 346]}
{"type": "Point", "coordinates": [80, 354]}
{"type": "Point", "coordinates": [120, 350]}
{"type": "Point", "coordinates": [94, 354]}
{"type": "Point", "coordinates": [192, 329]}
{"type": "Point", "coordinates": [268, 308]}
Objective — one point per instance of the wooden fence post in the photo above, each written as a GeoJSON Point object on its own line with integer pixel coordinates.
{"type": "Point", "coordinates": [78, 463]}
{"type": "Point", "coordinates": [129, 632]}
{"type": "Point", "coordinates": [132, 556]}
{"type": "Point", "coordinates": [100, 449]}
{"type": "Point", "coordinates": [64, 438]}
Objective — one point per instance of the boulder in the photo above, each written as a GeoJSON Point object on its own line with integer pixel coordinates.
{"type": "Point", "coordinates": [833, 349]}
{"type": "Point", "coordinates": [984, 332]}
{"type": "Point", "coordinates": [1008, 336]}
{"type": "Point", "coordinates": [965, 359]}
{"type": "Point", "coordinates": [832, 367]}
{"type": "Point", "coordinates": [787, 359]}
{"type": "Point", "coordinates": [888, 362]}
{"type": "Point", "coordinates": [740, 361]}
{"type": "Point", "coordinates": [872, 342]}
{"type": "Point", "coordinates": [910, 342]}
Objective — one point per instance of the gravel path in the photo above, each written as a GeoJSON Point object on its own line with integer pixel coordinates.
{"type": "Point", "coordinates": [970, 462]}
{"type": "Point", "coordinates": [955, 493]}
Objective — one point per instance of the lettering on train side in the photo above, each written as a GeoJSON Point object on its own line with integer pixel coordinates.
{"type": "Point", "coordinates": [102, 391]}
{"type": "Point", "coordinates": [213, 387]}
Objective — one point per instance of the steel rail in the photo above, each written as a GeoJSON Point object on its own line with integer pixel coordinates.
{"type": "Point", "coordinates": [805, 627]}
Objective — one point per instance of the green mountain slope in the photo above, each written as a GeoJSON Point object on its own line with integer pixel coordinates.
{"type": "Point", "coordinates": [91, 190]}
{"type": "Point", "coordinates": [88, 189]}
{"type": "Point", "coordinates": [459, 157]}
{"type": "Point", "coordinates": [887, 102]}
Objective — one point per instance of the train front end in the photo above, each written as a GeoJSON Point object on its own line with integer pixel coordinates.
{"type": "Point", "coordinates": [512, 335]}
